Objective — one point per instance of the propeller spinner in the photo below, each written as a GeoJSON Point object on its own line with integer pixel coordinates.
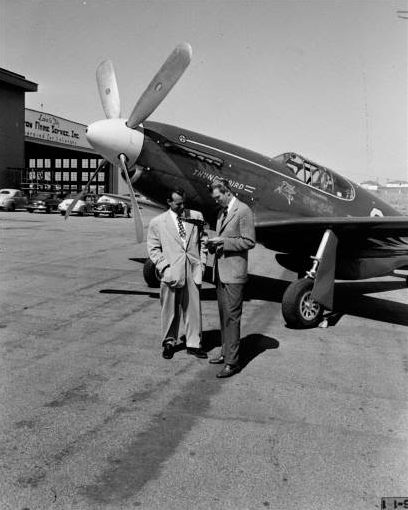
{"type": "Point", "coordinates": [121, 142]}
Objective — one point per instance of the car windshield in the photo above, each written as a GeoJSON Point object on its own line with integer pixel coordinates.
{"type": "Point", "coordinates": [4, 192]}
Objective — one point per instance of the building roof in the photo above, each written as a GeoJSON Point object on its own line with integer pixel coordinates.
{"type": "Point", "coordinates": [17, 81]}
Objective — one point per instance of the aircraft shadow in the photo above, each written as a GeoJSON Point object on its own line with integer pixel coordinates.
{"type": "Point", "coordinates": [350, 298]}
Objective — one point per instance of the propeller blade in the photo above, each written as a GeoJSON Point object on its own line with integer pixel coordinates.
{"type": "Point", "coordinates": [168, 75]}
{"type": "Point", "coordinates": [84, 190]}
{"type": "Point", "coordinates": [108, 89]}
{"type": "Point", "coordinates": [136, 211]}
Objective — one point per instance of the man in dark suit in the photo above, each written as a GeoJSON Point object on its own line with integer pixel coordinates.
{"type": "Point", "coordinates": [175, 245]}
{"type": "Point", "coordinates": [235, 236]}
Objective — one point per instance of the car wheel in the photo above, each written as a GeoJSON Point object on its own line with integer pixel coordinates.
{"type": "Point", "coordinates": [30, 210]}
{"type": "Point", "coordinates": [112, 214]}
{"type": "Point", "coordinates": [150, 275]}
{"type": "Point", "coordinates": [62, 213]}
{"type": "Point", "coordinates": [48, 210]}
{"type": "Point", "coordinates": [96, 214]}
{"type": "Point", "coordinates": [298, 308]}
{"type": "Point", "coordinates": [11, 207]}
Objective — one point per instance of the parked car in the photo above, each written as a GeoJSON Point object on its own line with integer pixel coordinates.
{"type": "Point", "coordinates": [12, 199]}
{"type": "Point", "coordinates": [84, 206]}
{"type": "Point", "coordinates": [111, 206]}
{"type": "Point", "coordinates": [43, 201]}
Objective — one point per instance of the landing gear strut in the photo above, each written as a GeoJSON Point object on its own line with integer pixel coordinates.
{"type": "Point", "coordinates": [304, 301]}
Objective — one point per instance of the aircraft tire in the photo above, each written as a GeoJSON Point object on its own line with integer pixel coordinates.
{"type": "Point", "coordinates": [149, 274]}
{"type": "Point", "coordinates": [298, 310]}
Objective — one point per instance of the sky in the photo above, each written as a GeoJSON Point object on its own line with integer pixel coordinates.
{"type": "Point", "coordinates": [324, 78]}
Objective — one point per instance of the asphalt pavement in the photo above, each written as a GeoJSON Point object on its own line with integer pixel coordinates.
{"type": "Point", "coordinates": [92, 417]}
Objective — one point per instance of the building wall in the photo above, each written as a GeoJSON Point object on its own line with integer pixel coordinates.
{"type": "Point", "coordinates": [12, 103]}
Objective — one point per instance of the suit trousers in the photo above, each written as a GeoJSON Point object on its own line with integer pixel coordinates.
{"type": "Point", "coordinates": [230, 297]}
{"type": "Point", "coordinates": [181, 301]}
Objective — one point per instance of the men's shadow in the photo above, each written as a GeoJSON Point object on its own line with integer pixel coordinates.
{"type": "Point", "coordinates": [253, 345]}
{"type": "Point", "coordinates": [250, 346]}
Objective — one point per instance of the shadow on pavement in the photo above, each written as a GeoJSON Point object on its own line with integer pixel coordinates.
{"type": "Point", "coordinates": [253, 345]}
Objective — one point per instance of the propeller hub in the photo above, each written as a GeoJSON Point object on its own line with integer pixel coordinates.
{"type": "Point", "coordinates": [111, 138]}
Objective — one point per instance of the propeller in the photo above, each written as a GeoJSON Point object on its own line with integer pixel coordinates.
{"type": "Point", "coordinates": [168, 75]}
{"type": "Point", "coordinates": [111, 138]}
{"type": "Point", "coordinates": [136, 211]}
{"type": "Point", "coordinates": [84, 189]}
{"type": "Point", "coordinates": [108, 89]}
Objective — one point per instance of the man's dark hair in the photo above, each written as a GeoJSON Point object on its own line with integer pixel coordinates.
{"type": "Point", "coordinates": [221, 184]}
{"type": "Point", "coordinates": [179, 191]}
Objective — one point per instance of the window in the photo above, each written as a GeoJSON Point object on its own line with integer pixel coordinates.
{"type": "Point", "coordinates": [74, 176]}
{"type": "Point", "coordinates": [85, 163]}
{"type": "Point", "coordinates": [47, 176]}
{"type": "Point", "coordinates": [100, 161]}
{"type": "Point", "coordinates": [74, 163]}
{"type": "Point", "coordinates": [65, 176]}
{"type": "Point", "coordinates": [92, 163]}
{"type": "Point", "coordinates": [57, 163]}
{"type": "Point", "coordinates": [65, 163]}
{"type": "Point", "coordinates": [31, 163]}
{"type": "Point", "coordinates": [58, 176]}
{"type": "Point", "coordinates": [47, 163]}
{"type": "Point", "coordinates": [85, 176]}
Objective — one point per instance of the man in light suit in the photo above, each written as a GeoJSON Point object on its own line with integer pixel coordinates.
{"type": "Point", "coordinates": [235, 236]}
{"type": "Point", "coordinates": [175, 245]}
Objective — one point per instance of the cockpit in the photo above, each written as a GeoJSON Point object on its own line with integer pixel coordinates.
{"type": "Point", "coordinates": [317, 176]}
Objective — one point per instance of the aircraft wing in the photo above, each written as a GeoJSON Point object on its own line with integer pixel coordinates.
{"type": "Point", "coordinates": [383, 226]}
{"type": "Point", "coordinates": [300, 235]}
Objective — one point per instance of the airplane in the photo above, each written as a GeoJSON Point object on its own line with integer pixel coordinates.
{"type": "Point", "coordinates": [323, 226]}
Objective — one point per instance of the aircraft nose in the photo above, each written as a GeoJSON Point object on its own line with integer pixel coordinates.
{"type": "Point", "coordinates": [97, 136]}
{"type": "Point", "coordinates": [111, 137]}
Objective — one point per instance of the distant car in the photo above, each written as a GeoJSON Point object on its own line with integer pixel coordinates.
{"type": "Point", "coordinates": [12, 199]}
{"type": "Point", "coordinates": [111, 207]}
{"type": "Point", "coordinates": [84, 206]}
{"type": "Point", "coordinates": [43, 201]}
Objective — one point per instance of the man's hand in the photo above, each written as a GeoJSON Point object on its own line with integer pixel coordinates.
{"type": "Point", "coordinates": [216, 241]}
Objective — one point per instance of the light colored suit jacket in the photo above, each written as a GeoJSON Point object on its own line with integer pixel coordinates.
{"type": "Point", "coordinates": [165, 248]}
{"type": "Point", "coordinates": [238, 232]}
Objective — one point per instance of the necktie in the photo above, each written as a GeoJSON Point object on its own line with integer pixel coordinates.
{"type": "Point", "coordinates": [224, 214]}
{"type": "Point", "coordinates": [181, 228]}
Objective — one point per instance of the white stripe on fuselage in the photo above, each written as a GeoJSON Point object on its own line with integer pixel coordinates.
{"type": "Point", "coordinates": [298, 181]}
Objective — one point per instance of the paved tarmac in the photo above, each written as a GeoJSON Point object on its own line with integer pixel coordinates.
{"type": "Point", "coordinates": [92, 417]}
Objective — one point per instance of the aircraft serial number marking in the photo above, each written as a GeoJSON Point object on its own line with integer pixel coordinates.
{"type": "Point", "coordinates": [235, 185]}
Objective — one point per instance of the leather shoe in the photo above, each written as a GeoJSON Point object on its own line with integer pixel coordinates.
{"type": "Point", "coordinates": [168, 351]}
{"type": "Point", "coordinates": [228, 371]}
{"type": "Point", "coordinates": [199, 353]}
{"type": "Point", "coordinates": [217, 361]}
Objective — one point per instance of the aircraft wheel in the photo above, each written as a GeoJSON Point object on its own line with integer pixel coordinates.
{"type": "Point", "coordinates": [298, 309]}
{"type": "Point", "coordinates": [149, 274]}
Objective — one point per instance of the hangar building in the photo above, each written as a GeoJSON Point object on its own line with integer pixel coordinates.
{"type": "Point", "coordinates": [40, 150]}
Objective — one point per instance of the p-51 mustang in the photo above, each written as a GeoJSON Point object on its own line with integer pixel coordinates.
{"type": "Point", "coordinates": [303, 210]}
